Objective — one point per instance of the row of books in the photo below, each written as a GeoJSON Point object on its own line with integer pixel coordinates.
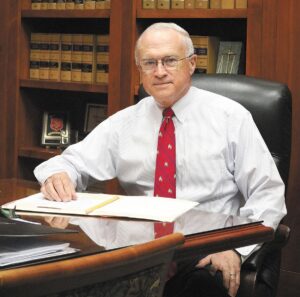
{"type": "Point", "coordinates": [182, 4]}
{"type": "Point", "coordinates": [215, 56]}
{"type": "Point", "coordinates": [69, 57]}
{"type": "Point", "coordinates": [70, 4]}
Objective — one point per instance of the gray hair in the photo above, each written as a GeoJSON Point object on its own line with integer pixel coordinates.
{"type": "Point", "coordinates": [170, 26]}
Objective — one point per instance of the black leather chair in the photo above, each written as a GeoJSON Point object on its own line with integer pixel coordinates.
{"type": "Point", "coordinates": [270, 105]}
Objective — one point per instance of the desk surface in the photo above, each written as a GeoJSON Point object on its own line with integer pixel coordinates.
{"type": "Point", "coordinates": [204, 232]}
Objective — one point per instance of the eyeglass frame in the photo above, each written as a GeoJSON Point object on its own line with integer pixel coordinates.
{"type": "Point", "coordinates": [163, 63]}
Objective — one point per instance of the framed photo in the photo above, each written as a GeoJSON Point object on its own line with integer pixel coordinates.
{"type": "Point", "coordinates": [56, 129]}
{"type": "Point", "coordinates": [94, 115]}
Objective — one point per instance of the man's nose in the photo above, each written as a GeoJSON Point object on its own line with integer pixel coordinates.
{"type": "Point", "coordinates": [160, 68]}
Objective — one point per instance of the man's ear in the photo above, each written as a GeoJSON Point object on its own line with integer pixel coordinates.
{"type": "Point", "coordinates": [192, 63]}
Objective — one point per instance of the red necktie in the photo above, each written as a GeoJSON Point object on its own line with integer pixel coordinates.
{"type": "Point", "coordinates": [165, 171]}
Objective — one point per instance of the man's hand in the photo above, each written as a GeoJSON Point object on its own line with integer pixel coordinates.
{"type": "Point", "coordinates": [58, 222]}
{"type": "Point", "coordinates": [59, 187]}
{"type": "Point", "coordinates": [229, 263]}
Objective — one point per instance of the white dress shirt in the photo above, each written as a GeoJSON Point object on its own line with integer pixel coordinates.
{"type": "Point", "coordinates": [221, 159]}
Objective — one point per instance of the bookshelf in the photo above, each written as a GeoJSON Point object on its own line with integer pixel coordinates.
{"type": "Point", "coordinates": [228, 24]}
{"type": "Point", "coordinates": [33, 97]}
{"type": "Point", "coordinates": [124, 22]}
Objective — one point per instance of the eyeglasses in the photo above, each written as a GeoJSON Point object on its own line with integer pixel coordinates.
{"type": "Point", "coordinates": [169, 62]}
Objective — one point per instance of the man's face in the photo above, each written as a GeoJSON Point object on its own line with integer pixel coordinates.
{"type": "Point", "coordinates": [165, 85]}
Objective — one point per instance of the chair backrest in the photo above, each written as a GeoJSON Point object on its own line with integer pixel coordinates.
{"type": "Point", "coordinates": [138, 270]}
{"type": "Point", "coordinates": [269, 103]}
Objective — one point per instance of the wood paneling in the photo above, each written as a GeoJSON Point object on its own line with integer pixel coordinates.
{"type": "Point", "coordinates": [280, 62]}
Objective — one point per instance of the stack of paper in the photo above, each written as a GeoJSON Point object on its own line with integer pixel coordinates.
{"type": "Point", "coordinates": [21, 250]}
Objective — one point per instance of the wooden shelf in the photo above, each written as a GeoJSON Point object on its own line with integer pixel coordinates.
{"type": "Point", "coordinates": [64, 86]}
{"type": "Point", "coordinates": [38, 152]}
{"type": "Point", "coordinates": [76, 14]}
{"type": "Point", "coordinates": [192, 13]}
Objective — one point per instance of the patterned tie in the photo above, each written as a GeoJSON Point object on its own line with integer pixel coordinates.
{"type": "Point", "coordinates": [165, 172]}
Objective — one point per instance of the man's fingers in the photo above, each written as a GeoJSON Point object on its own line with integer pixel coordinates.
{"type": "Point", "coordinates": [59, 187]}
{"type": "Point", "coordinates": [203, 262]}
{"type": "Point", "coordinates": [234, 284]}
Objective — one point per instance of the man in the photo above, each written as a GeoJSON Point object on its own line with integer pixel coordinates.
{"type": "Point", "coordinates": [221, 159]}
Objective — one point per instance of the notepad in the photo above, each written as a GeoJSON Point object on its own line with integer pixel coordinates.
{"type": "Point", "coordinates": [140, 207]}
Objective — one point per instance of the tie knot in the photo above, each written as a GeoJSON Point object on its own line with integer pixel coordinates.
{"type": "Point", "coordinates": [168, 112]}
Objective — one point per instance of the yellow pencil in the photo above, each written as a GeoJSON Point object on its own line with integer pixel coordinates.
{"type": "Point", "coordinates": [110, 200]}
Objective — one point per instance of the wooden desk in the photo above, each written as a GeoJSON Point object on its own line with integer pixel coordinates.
{"type": "Point", "coordinates": [204, 232]}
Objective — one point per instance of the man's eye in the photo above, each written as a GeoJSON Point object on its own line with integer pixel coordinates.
{"type": "Point", "coordinates": [170, 61]}
{"type": "Point", "coordinates": [149, 62]}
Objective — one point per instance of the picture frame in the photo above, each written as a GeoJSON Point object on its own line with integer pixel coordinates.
{"type": "Point", "coordinates": [94, 115]}
{"type": "Point", "coordinates": [56, 129]}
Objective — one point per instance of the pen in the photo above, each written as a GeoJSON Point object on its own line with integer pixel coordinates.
{"type": "Point", "coordinates": [91, 209]}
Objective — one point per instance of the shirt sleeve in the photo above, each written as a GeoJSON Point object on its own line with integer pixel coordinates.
{"type": "Point", "coordinates": [256, 175]}
{"type": "Point", "coordinates": [92, 157]}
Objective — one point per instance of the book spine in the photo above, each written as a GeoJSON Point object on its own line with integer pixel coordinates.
{"type": "Point", "coordinates": [61, 4]}
{"type": "Point", "coordinates": [76, 57]}
{"type": "Point", "coordinates": [177, 4]}
{"type": "Point", "coordinates": [215, 4]}
{"type": "Point", "coordinates": [70, 4]}
{"type": "Point", "coordinates": [189, 4]}
{"type": "Point", "coordinates": [78, 4]}
{"type": "Point", "coordinates": [241, 4]}
{"type": "Point", "coordinates": [44, 4]}
{"type": "Point", "coordinates": [54, 57]}
{"type": "Point", "coordinates": [44, 56]}
{"type": "Point", "coordinates": [163, 4]}
{"type": "Point", "coordinates": [100, 4]}
{"type": "Point", "coordinates": [201, 4]}
{"type": "Point", "coordinates": [66, 53]}
{"type": "Point", "coordinates": [227, 4]}
{"type": "Point", "coordinates": [52, 4]}
{"type": "Point", "coordinates": [149, 4]}
{"type": "Point", "coordinates": [102, 59]}
{"type": "Point", "coordinates": [34, 60]}
{"type": "Point", "coordinates": [88, 58]}
{"type": "Point", "coordinates": [89, 4]}
{"type": "Point", "coordinates": [36, 4]}
{"type": "Point", "coordinates": [107, 4]}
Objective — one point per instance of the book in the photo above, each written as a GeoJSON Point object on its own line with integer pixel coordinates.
{"type": "Point", "coordinates": [44, 4]}
{"type": "Point", "coordinates": [206, 49]}
{"type": "Point", "coordinates": [139, 207]}
{"type": "Point", "coordinates": [177, 4]}
{"type": "Point", "coordinates": [240, 3]}
{"type": "Point", "coordinates": [34, 56]}
{"type": "Point", "coordinates": [215, 4]}
{"type": "Point", "coordinates": [88, 68]}
{"type": "Point", "coordinates": [76, 57]}
{"type": "Point", "coordinates": [54, 57]}
{"type": "Point", "coordinates": [61, 4]}
{"type": "Point", "coordinates": [229, 57]}
{"type": "Point", "coordinates": [163, 4]}
{"type": "Point", "coordinates": [149, 4]}
{"type": "Point", "coordinates": [44, 56]}
{"type": "Point", "coordinates": [107, 4]}
{"type": "Point", "coordinates": [36, 4]}
{"type": "Point", "coordinates": [89, 4]}
{"type": "Point", "coordinates": [189, 4]}
{"type": "Point", "coordinates": [70, 4]}
{"type": "Point", "coordinates": [102, 58]}
{"type": "Point", "coordinates": [201, 4]}
{"type": "Point", "coordinates": [78, 4]}
{"type": "Point", "coordinates": [66, 53]}
{"type": "Point", "coordinates": [52, 4]}
{"type": "Point", "coordinates": [100, 4]}
{"type": "Point", "coordinates": [227, 4]}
